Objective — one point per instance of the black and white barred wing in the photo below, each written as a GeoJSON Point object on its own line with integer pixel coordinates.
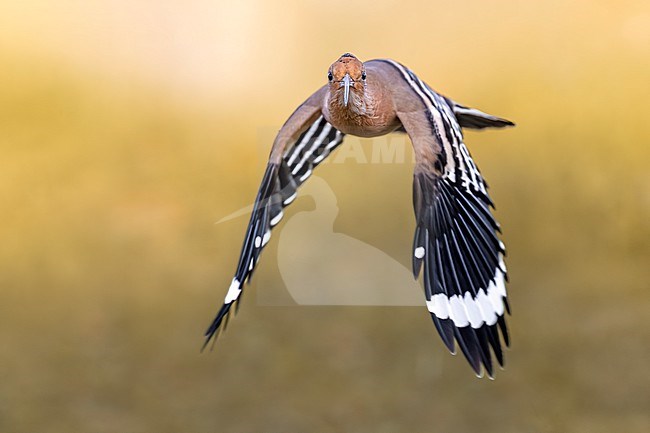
{"type": "Point", "coordinates": [458, 251]}
{"type": "Point", "coordinates": [278, 189]}
{"type": "Point", "coordinates": [456, 245]}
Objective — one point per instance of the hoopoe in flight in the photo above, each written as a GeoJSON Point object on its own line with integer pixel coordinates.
{"type": "Point", "coordinates": [456, 245]}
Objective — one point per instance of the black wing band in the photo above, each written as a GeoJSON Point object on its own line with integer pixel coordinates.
{"type": "Point", "coordinates": [278, 189]}
{"type": "Point", "coordinates": [464, 273]}
{"type": "Point", "coordinates": [456, 238]}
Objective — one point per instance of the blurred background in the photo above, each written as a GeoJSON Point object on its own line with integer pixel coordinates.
{"type": "Point", "coordinates": [128, 128]}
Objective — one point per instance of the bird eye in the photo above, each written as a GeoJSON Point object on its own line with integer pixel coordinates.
{"type": "Point", "coordinates": [363, 75]}
{"type": "Point", "coordinates": [330, 76]}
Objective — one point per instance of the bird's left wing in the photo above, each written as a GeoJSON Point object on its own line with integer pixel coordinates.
{"type": "Point", "coordinates": [456, 243]}
{"type": "Point", "coordinates": [302, 143]}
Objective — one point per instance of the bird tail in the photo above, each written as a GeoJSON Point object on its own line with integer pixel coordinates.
{"type": "Point", "coordinates": [476, 119]}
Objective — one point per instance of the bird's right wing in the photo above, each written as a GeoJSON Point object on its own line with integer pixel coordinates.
{"type": "Point", "coordinates": [302, 143]}
{"type": "Point", "coordinates": [456, 238]}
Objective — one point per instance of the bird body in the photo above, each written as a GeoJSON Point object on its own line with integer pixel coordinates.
{"type": "Point", "coordinates": [456, 245]}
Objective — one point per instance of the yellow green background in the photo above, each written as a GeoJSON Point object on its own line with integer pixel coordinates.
{"type": "Point", "coordinates": [128, 128]}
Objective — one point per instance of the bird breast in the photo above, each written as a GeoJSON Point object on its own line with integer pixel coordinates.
{"type": "Point", "coordinates": [366, 115]}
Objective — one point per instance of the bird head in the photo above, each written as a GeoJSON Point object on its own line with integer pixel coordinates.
{"type": "Point", "coordinates": [347, 75]}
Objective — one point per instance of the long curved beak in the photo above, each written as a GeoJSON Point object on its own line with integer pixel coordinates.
{"type": "Point", "coordinates": [346, 91]}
